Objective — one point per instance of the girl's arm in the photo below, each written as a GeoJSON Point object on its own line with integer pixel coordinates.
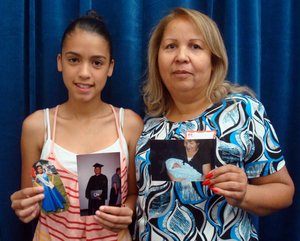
{"type": "Point", "coordinates": [52, 177]}
{"type": "Point", "coordinates": [35, 181]}
{"type": "Point", "coordinates": [25, 201]}
{"type": "Point", "coordinates": [133, 127]}
{"type": "Point", "coordinates": [114, 218]}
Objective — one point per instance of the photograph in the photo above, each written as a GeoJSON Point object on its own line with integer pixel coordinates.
{"type": "Point", "coordinates": [43, 173]}
{"type": "Point", "coordinates": [99, 181]}
{"type": "Point", "coordinates": [181, 160]}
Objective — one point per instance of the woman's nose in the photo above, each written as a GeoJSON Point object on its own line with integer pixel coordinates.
{"type": "Point", "coordinates": [182, 55]}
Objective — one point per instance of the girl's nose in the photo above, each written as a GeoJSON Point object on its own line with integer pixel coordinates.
{"type": "Point", "coordinates": [84, 72]}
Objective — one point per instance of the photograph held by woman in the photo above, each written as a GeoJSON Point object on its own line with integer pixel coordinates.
{"type": "Point", "coordinates": [186, 90]}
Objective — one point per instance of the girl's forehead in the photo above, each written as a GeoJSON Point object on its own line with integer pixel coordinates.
{"type": "Point", "coordinates": [80, 36]}
{"type": "Point", "coordinates": [81, 40]}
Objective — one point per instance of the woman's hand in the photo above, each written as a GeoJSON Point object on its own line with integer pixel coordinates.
{"type": "Point", "coordinates": [114, 219]}
{"type": "Point", "coordinates": [260, 196]}
{"type": "Point", "coordinates": [25, 203]}
{"type": "Point", "coordinates": [229, 181]}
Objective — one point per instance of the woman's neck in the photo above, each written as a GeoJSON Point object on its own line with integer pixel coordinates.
{"type": "Point", "coordinates": [183, 110]}
{"type": "Point", "coordinates": [191, 154]}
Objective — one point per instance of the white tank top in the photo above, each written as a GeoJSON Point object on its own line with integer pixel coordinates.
{"type": "Point", "coordinates": [67, 158]}
{"type": "Point", "coordinates": [69, 225]}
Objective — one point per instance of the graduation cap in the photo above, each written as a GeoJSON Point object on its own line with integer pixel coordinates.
{"type": "Point", "coordinates": [98, 165]}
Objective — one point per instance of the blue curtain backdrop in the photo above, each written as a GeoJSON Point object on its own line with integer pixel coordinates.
{"type": "Point", "coordinates": [263, 42]}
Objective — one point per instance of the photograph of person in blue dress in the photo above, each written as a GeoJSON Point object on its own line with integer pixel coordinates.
{"type": "Point", "coordinates": [54, 200]}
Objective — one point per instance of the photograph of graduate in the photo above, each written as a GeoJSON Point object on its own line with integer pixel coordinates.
{"type": "Point", "coordinates": [46, 175]}
{"type": "Point", "coordinates": [96, 189]}
{"type": "Point", "coordinates": [181, 160]}
{"type": "Point", "coordinates": [95, 175]}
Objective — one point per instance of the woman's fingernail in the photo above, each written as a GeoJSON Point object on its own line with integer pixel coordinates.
{"type": "Point", "coordinates": [207, 182]}
{"type": "Point", "coordinates": [214, 190]}
{"type": "Point", "coordinates": [209, 175]}
{"type": "Point", "coordinates": [211, 186]}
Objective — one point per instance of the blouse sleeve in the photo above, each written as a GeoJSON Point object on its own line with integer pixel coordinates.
{"type": "Point", "coordinates": [249, 139]}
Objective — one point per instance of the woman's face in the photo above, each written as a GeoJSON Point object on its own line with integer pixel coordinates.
{"type": "Point", "coordinates": [85, 64]}
{"type": "Point", "coordinates": [39, 170]}
{"type": "Point", "coordinates": [191, 145]}
{"type": "Point", "coordinates": [184, 59]}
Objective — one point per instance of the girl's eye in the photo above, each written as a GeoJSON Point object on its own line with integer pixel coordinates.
{"type": "Point", "coordinates": [97, 63]}
{"type": "Point", "coordinates": [73, 60]}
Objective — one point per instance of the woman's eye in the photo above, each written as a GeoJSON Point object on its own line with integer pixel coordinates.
{"type": "Point", "coordinates": [171, 46]}
{"type": "Point", "coordinates": [195, 46]}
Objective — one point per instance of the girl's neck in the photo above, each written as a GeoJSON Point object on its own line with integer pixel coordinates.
{"type": "Point", "coordinates": [83, 110]}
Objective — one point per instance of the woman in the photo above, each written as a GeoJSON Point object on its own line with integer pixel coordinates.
{"type": "Point", "coordinates": [185, 91]}
{"type": "Point", "coordinates": [82, 125]}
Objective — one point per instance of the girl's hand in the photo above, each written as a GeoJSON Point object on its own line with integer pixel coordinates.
{"type": "Point", "coordinates": [229, 181]}
{"type": "Point", "coordinates": [25, 203]}
{"type": "Point", "coordinates": [114, 219]}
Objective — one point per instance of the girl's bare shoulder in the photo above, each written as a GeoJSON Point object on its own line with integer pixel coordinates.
{"type": "Point", "coordinates": [34, 122]}
{"type": "Point", "coordinates": [132, 122]}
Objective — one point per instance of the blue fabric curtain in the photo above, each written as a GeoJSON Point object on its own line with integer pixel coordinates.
{"type": "Point", "coordinates": [262, 38]}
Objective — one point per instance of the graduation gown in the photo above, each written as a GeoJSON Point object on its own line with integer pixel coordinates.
{"type": "Point", "coordinates": [96, 183]}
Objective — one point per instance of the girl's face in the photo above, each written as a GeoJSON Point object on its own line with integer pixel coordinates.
{"type": "Point", "coordinates": [39, 170]}
{"type": "Point", "coordinates": [191, 145]}
{"type": "Point", "coordinates": [85, 64]}
{"type": "Point", "coordinates": [184, 59]}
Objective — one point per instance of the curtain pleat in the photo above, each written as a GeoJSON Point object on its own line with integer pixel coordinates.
{"type": "Point", "coordinates": [262, 39]}
{"type": "Point", "coordinates": [31, 55]}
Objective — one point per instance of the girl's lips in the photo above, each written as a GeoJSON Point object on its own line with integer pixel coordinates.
{"type": "Point", "coordinates": [83, 86]}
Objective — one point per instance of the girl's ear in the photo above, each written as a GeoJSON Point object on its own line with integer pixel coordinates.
{"type": "Point", "coordinates": [59, 64]}
{"type": "Point", "coordinates": [111, 68]}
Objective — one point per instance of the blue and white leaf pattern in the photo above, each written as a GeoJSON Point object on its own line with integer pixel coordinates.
{"type": "Point", "coordinates": [188, 210]}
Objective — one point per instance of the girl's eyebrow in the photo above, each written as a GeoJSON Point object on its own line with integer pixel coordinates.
{"type": "Point", "coordinates": [95, 56]}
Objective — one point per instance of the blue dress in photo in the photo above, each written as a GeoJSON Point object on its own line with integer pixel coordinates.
{"type": "Point", "coordinates": [53, 199]}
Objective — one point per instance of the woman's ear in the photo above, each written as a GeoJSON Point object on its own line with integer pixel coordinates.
{"type": "Point", "coordinates": [59, 64]}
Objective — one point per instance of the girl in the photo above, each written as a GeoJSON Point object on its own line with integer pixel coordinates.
{"type": "Point", "coordinates": [82, 125]}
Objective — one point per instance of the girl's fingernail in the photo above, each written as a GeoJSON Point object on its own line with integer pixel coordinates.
{"type": "Point", "coordinates": [211, 186]}
{"type": "Point", "coordinates": [214, 190]}
{"type": "Point", "coordinates": [207, 182]}
{"type": "Point", "coordinates": [209, 175]}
